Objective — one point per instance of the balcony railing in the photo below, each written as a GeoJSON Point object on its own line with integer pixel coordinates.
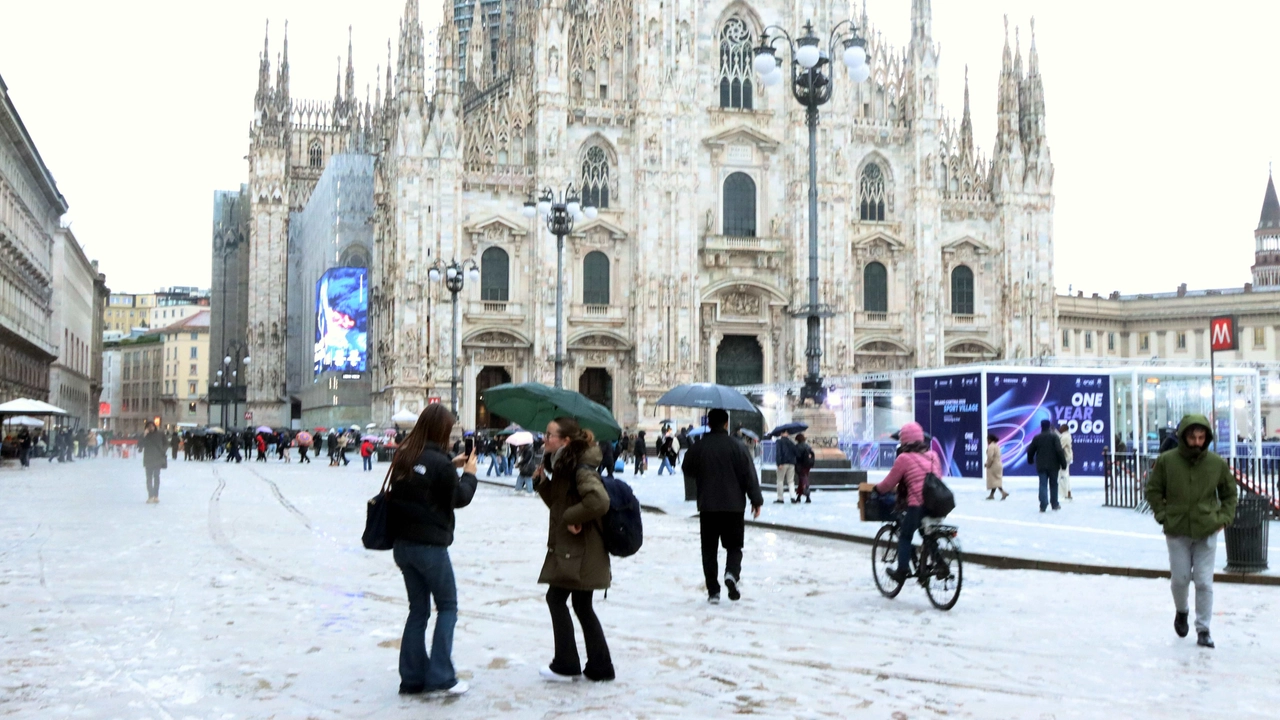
{"type": "Point", "coordinates": [879, 319]}
{"type": "Point", "coordinates": [495, 308]}
{"type": "Point", "coordinates": [742, 244]}
{"type": "Point", "coordinates": [491, 306]}
{"type": "Point", "coordinates": [596, 313]}
{"type": "Point", "coordinates": [965, 321]}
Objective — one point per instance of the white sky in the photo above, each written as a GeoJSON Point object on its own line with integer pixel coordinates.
{"type": "Point", "coordinates": [1160, 118]}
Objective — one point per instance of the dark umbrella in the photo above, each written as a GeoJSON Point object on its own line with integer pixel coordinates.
{"type": "Point", "coordinates": [535, 405]}
{"type": "Point", "coordinates": [699, 431]}
{"type": "Point", "coordinates": [793, 428]}
{"type": "Point", "coordinates": [707, 395]}
{"type": "Point", "coordinates": [749, 433]}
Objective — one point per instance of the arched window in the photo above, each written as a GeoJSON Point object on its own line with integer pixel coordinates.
{"type": "Point", "coordinates": [595, 279]}
{"type": "Point", "coordinates": [494, 282]}
{"type": "Point", "coordinates": [740, 205]}
{"type": "Point", "coordinates": [315, 155]}
{"type": "Point", "coordinates": [875, 288]}
{"type": "Point", "coordinates": [962, 291]}
{"type": "Point", "coordinates": [595, 178]}
{"type": "Point", "coordinates": [736, 54]}
{"type": "Point", "coordinates": [871, 193]}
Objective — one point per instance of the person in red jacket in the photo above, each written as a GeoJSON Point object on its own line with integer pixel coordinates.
{"type": "Point", "coordinates": [262, 448]}
{"type": "Point", "coordinates": [366, 452]}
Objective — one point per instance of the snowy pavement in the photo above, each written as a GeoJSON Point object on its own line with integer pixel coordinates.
{"type": "Point", "coordinates": [1083, 532]}
{"type": "Point", "coordinates": [245, 593]}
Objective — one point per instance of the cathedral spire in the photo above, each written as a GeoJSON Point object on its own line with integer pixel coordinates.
{"type": "Point", "coordinates": [966, 123]}
{"type": "Point", "coordinates": [411, 62]}
{"type": "Point", "coordinates": [337, 89]}
{"type": "Point", "coordinates": [1007, 111]}
{"type": "Point", "coordinates": [264, 68]}
{"type": "Point", "coordinates": [351, 71]}
{"type": "Point", "coordinates": [1266, 266]}
{"type": "Point", "coordinates": [282, 80]}
{"type": "Point", "coordinates": [389, 93]}
{"type": "Point", "coordinates": [477, 35]}
{"type": "Point", "coordinates": [921, 21]}
{"type": "Point", "coordinates": [1032, 98]}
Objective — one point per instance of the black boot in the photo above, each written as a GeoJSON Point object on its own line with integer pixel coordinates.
{"type": "Point", "coordinates": [1180, 624]}
{"type": "Point", "coordinates": [1203, 639]}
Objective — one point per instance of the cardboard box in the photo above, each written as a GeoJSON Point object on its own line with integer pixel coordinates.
{"type": "Point", "coordinates": [868, 509]}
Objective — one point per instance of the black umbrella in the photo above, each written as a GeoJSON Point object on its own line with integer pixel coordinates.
{"type": "Point", "coordinates": [707, 396]}
{"type": "Point", "coordinates": [792, 427]}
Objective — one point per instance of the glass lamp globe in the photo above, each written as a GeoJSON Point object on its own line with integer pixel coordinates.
{"type": "Point", "coordinates": [774, 78]}
{"type": "Point", "coordinates": [860, 73]}
{"type": "Point", "coordinates": [434, 275]}
{"type": "Point", "coordinates": [529, 210]}
{"type": "Point", "coordinates": [591, 212]}
{"type": "Point", "coordinates": [764, 62]}
{"type": "Point", "coordinates": [574, 207]}
{"type": "Point", "coordinates": [246, 361]}
{"type": "Point", "coordinates": [854, 55]}
{"type": "Point", "coordinates": [226, 360]}
{"type": "Point", "coordinates": [544, 206]}
{"type": "Point", "coordinates": [451, 272]}
{"type": "Point", "coordinates": [807, 54]}
{"type": "Point", "coordinates": [473, 274]}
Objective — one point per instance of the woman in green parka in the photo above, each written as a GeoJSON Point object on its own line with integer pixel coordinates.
{"type": "Point", "coordinates": [577, 563]}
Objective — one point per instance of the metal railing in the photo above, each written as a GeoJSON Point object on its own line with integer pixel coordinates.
{"type": "Point", "coordinates": [1125, 479]}
{"type": "Point", "coordinates": [1261, 476]}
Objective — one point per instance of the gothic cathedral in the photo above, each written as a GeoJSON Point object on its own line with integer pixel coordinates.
{"type": "Point", "coordinates": [930, 252]}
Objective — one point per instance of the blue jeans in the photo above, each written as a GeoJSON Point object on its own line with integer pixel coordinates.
{"type": "Point", "coordinates": [1049, 490]}
{"type": "Point", "coordinates": [524, 482]}
{"type": "Point", "coordinates": [368, 462]}
{"type": "Point", "coordinates": [428, 574]}
{"type": "Point", "coordinates": [906, 533]}
{"type": "Point", "coordinates": [498, 463]}
{"type": "Point", "coordinates": [666, 464]}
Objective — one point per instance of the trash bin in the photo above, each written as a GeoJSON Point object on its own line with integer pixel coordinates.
{"type": "Point", "coordinates": [1247, 536]}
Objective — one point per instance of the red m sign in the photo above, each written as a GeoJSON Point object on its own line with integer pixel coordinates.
{"type": "Point", "coordinates": [1222, 333]}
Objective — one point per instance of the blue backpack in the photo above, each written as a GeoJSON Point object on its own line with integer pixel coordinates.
{"type": "Point", "coordinates": [621, 527]}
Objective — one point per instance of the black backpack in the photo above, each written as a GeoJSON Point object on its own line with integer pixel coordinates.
{"type": "Point", "coordinates": [939, 501]}
{"type": "Point", "coordinates": [621, 527]}
{"type": "Point", "coordinates": [805, 458]}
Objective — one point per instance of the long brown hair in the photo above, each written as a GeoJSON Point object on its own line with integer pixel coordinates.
{"type": "Point", "coordinates": [434, 425]}
{"type": "Point", "coordinates": [579, 441]}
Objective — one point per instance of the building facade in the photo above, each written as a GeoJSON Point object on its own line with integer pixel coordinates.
{"type": "Point", "coordinates": [931, 253]}
{"type": "Point", "coordinates": [31, 209]}
{"type": "Point", "coordinates": [184, 395]}
{"type": "Point", "coordinates": [75, 308]}
{"type": "Point", "coordinates": [141, 383]}
{"type": "Point", "coordinates": [126, 312]}
{"type": "Point", "coordinates": [109, 405]}
{"type": "Point", "coordinates": [101, 294]}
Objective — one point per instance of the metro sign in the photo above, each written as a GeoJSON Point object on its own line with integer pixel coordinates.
{"type": "Point", "coordinates": [1222, 333]}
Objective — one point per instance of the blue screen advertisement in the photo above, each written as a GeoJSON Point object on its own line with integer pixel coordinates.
{"type": "Point", "coordinates": [342, 310]}
{"type": "Point", "coordinates": [950, 409]}
{"type": "Point", "coordinates": [1017, 402]}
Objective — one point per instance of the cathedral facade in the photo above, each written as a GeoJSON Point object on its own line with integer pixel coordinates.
{"type": "Point", "coordinates": [929, 253]}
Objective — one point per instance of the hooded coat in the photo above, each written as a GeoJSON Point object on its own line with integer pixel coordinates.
{"type": "Point", "coordinates": [1192, 491]}
{"type": "Point", "coordinates": [575, 562]}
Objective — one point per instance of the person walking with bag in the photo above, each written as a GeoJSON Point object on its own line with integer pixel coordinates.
{"type": "Point", "coordinates": [725, 478]}
{"type": "Point", "coordinates": [912, 466]}
{"type": "Point", "coordinates": [576, 564]}
{"type": "Point", "coordinates": [805, 460]}
{"type": "Point", "coordinates": [153, 460]}
{"type": "Point", "coordinates": [641, 453]}
{"type": "Point", "coordinates": [1192, 493]}
{"type": "Point", "coordinates": [1045, 453]}
{"type": "Point", "coordinates": [995, 469]}
{"type": "Point", "coordinates": [1064, 477]}
{"type": "Point", "coordinates": [424, 490]}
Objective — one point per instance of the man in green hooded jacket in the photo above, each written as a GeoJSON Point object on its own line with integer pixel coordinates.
{"type": "Point", "coordinates": [1193, 494]}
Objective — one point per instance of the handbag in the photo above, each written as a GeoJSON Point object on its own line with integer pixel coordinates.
{"type": "Point", "coordinates": [377, 534]}
{"type": "Point", "coordinates": [939, 501]}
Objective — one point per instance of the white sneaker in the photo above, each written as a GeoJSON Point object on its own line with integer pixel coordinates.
{"type": "Point", "coordinates": [548, 674]}
{"type": "Point", "coordinates": [458, 688]}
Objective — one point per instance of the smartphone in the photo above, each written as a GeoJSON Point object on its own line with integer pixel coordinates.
{"type": "Point", "coordinates": [468, 445]}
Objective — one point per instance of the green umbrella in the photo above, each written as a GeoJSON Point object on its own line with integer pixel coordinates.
{"type": "Point", "coordinates": [533, 405]}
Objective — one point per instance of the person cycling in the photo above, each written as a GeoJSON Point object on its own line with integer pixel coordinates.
{"type": "Point", "coordinates": [915, 461]}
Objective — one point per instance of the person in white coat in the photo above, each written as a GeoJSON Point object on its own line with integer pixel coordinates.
{"type": "Point", "coordinates": [1064, 477]}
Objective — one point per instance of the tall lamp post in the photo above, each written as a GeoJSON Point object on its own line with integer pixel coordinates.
{"type": "Point", "coordinates": [812, 73]}
{"type": "Point", "coordinates": [229, 376]}
{"type": "Point", "coordinates": [453, 274]}
{"type": "Point", "coordinates": [560, 211]}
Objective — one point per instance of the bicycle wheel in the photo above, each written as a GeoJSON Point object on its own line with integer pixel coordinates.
{"type": "Point", "coordinates": [944, 574]}
{"type": "Point", "coordinates": [884, 557]}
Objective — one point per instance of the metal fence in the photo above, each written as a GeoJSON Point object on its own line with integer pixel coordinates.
{"type": "Point", "coordinates": [1260, 476]}
{"type": "Point", "coordinates": [1125, 479]}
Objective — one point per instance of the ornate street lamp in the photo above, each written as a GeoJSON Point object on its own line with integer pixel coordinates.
{"type": "Point", "coordinates": [227, 378]}
{"type": "Point", "coordinates": [812, 73]}
{"type": "Point", "coordinates": [453, 274]}
{"type": "Point", "coordinates": [560, 213]}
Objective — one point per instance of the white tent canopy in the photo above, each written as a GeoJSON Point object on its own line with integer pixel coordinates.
{"type": "Point", "coordinates": [405, 417]}
{"type": "Point", "coordinates": [24, 420]}
{"type": "Point", "coordinates": [26, 406]}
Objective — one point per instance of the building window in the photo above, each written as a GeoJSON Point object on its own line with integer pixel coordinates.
{"type": "Point", "coordinates": [1066, 339]}
{"type": "Point", "coordinates": [595, 178]}
{"type": "Point", "coordinates": [1260, 338]}
{"type": "Point", "coordinates": [494, 283]}
{"type": "Point", "coordinates": [195, 353]}
{"type": "Point", "coordinates": [736, 55]}
{"type": "Point", "coordinates": [193, 369]}
{"type": "Point", "coordinates": [740, 205]}
{"type": "Point", "coordinates": [315, 155]}
{"type": "Point", "coordinates": [191, 388]}
{"type": "Point", "coordinates": [195, 336]}
{"type": "Point", "coordinates": [871, 193]}
{"type": "Point", "coordinates": [1144, 341]}
{"type": "Point", "coordinates": [1111, 342]}
{"type": "Point", "coordinates": [595, 279]}
{"type": "Point", "coordinates": [962, 291]}
{"type": "Point", "coordinates": [875, 288]}
{"type": "Point", "coordinates": [1182, 341]}
{"type": "Point", "coordinates": [191, 408]}
{"type": "Point", "coordinates": [1088, 340]}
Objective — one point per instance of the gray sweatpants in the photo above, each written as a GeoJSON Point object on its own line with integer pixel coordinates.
{"type": "Point", "coordinates": [1193, 560]}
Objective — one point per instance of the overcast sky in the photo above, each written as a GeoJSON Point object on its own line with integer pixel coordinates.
{"type": "Point", "coordinates": [1160, 118]}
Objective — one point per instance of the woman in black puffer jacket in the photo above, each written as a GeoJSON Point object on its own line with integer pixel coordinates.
{"type": "Point", "coordinates": [424, 491]}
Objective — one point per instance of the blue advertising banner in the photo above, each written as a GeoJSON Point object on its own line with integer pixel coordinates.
{"type": "Point", "coordinates": [1017, 402]}
{"type": "Point", "coordinates": [342, 309]}
{"type": "Point", "coordinates": [950, 409]}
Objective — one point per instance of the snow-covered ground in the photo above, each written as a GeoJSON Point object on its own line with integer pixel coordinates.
{"type": "Point", "coordinates": [245, 593]}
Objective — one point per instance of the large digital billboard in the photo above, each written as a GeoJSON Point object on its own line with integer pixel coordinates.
{"type": "Point", "coordinates": [1017, 402]}
{"type": "Point", "coordinates": [950, 409]}
{"type": "Point", "coordinates": [342, 310]}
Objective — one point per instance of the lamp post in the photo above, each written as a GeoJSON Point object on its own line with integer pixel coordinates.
{"type": "Point", "coordinates": [453, 281]}
{"type": "Point", "coordinates": [812, 74]}
{"type": "Point", "coordinates": [560, 211]}
{"type": "Point", "coordinates": [234, 361]}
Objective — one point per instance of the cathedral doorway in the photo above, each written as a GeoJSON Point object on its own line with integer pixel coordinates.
{"type": "Point", "coordinates": [740, 361]}
{"type": "Point", "coordinates": [597, 385]}
{"type": "Point", "coordinates": [489, 377]}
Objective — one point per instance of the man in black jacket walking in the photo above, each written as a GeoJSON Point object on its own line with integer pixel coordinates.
{"type": "Point", "coordinates": [1045, 452]}
{"type": "Point", "coordinates": [725, 478]}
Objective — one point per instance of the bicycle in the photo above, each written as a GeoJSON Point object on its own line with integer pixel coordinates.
{"type": "Point", "coordinates": [941, 572]}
